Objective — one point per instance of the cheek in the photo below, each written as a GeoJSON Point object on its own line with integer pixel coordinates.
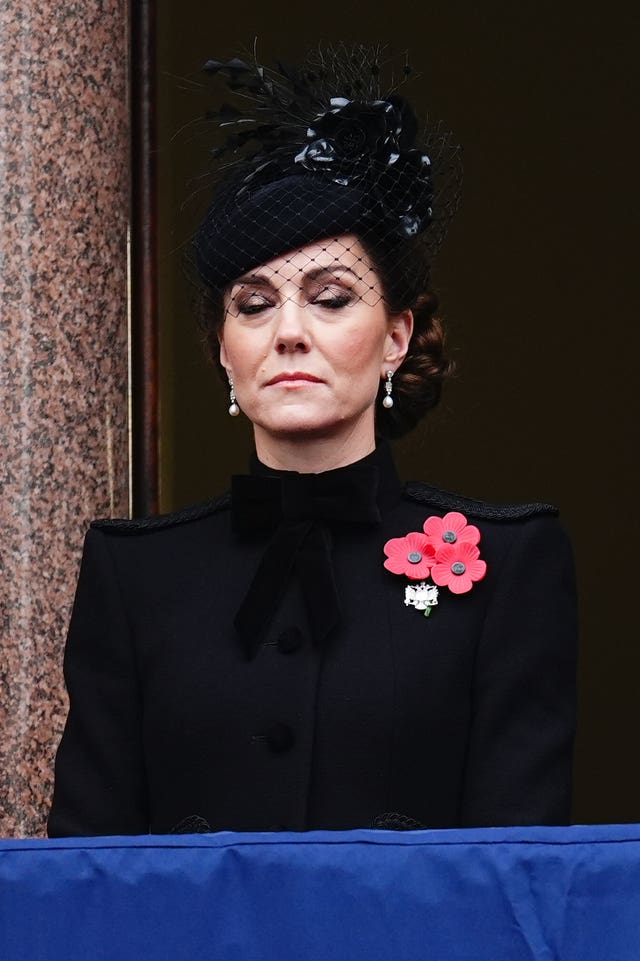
{"type": "Point", "coordinates": [245, 355]}
{"type": "Point", "coordinates": [361, 350]}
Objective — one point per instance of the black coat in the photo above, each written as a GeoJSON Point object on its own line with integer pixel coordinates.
{"type": "Point", "coordinates": [465, 718]}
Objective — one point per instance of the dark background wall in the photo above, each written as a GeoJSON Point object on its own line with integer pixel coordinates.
{"type": "Point", "coordinates": [538, 283]}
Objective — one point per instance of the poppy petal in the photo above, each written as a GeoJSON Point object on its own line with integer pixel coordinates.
{"type": "Point", "coordinates": [447, 554]}
{"type": "Point", "coordinates": [394, 546]}
{"type": "Point", "coordinates": [467, 553]}
{"type": "Point", "coordinates": [416, 541]}
{"type": "Point", "coordinates": [418, 572]}
{"type": "Point", "coordinates": [477, 570]}
{"type": "Point", "coordinates": [441, 574]}
{"type": "Point", "coordinates": [454, 521]}
{"type": "Point", "coordinates": [460, 584]}
{"type": "Point", "coordinates": [470, 534]}
{"type": "Point", "coordinates": [433, 527]}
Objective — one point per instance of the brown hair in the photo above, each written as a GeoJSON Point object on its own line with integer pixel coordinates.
{"type": "Point", "coordinates": [404, 272]}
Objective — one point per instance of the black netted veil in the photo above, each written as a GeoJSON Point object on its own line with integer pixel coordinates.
{"type": "Point", "coordinates": [326, 150]}
{"type": "Point", "coordinates": [328, 191]}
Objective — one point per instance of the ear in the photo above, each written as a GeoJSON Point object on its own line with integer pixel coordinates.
{"type": "Point", "coordinates": [397, 341]}
{"type": "Point", "coordinates": [224, 360]}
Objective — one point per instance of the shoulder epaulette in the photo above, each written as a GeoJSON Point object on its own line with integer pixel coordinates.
{"type": "Point", "coordinates": [448, 501]}
{"type": "Point", "coordinates": [142, 525]}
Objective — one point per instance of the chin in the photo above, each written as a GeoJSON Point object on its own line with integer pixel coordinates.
{"type": "Point", "coordinates": [303, 427]}
{"type": "Point", "coordinates": [303, 423]}
{"type": "Point", "coordinates": [295, 419]}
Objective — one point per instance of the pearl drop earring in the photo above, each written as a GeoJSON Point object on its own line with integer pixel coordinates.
{"type": "Point", "coordinates": [388, 400]}
{"type": "Point", "coordinates": [234, 410]}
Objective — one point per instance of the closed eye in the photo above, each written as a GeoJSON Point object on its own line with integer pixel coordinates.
{"type": "Point", "coordinates": [253, 305]}
{"type": "Point", "coordinates": [333, 301]}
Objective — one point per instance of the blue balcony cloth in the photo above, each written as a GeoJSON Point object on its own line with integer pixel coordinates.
{"type": "Point", "coordinates": [491, 894]}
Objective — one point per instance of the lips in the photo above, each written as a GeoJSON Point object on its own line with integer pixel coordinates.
{"type": "Point", "coordinates": [292, 377]}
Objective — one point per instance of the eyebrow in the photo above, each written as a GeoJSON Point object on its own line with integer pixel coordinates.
{"type": "Point", "coordinates": [257, 280]}
{"type": "Point", "coordinates": [333, 269]}
{"type": "Point", "coordinates": [261, 280]}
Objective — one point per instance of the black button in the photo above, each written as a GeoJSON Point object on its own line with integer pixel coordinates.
{"type": "Point", "coordinates": [290, 640]}
{"type": "Point", "coordinates": [280, 738]}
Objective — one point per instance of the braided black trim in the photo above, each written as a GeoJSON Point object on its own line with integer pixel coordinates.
{"type": "Point", "coordinates": [448, 501]}
{"type": "Point", "coordinates": [194, 824]}
{"type": "Point", "coordinates": [391, 821]}
{"type": "Point", "coordinates": [140, 525]}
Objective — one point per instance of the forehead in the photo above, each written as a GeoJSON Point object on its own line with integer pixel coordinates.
{"type": "Point", "coordinates": [345, 251]}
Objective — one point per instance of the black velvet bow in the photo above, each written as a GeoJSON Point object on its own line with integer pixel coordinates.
{"type": "Point", "coordinates": [298, 507]}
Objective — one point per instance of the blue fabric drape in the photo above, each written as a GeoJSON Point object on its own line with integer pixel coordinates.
{"type": "Point", "coordinates": [493, 894]}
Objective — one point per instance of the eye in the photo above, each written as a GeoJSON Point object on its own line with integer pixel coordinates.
{"type": "Point", "coordinates": [333, 299]}
{"type": "Point", "coordinates": [253, 304]}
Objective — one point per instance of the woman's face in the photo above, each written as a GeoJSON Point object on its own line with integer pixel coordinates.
{"type": "Point", "coordinates": [307, 338]}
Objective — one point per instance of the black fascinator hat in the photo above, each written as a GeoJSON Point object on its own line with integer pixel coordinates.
{"type": "Point", "coordinates": [324, 149]}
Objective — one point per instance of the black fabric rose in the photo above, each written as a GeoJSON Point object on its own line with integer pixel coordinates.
{"type": "Point", "coordinates": [373, 144]}
{"type": "Point", "coordinates": [358, 128]}
{"type": "Point", "coordinates": [353, 132]}
{"type": "Point", "coordinates": [318, 153]}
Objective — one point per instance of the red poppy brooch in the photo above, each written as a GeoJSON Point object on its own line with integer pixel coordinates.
{"type": "Point", "coordinates": [447, 551]}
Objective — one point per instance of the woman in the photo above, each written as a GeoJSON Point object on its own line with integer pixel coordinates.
{"type": "Point", "coordinates": [324, 645]}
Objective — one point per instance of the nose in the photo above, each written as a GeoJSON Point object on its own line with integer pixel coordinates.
{"type": "Point", "coordinates": [292, 334]}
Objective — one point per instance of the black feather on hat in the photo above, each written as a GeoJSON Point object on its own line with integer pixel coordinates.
{"type": "Point", "coordinates": [320, 150]}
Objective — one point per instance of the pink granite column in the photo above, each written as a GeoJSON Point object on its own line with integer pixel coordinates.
{"type": "Point", "coordinates": [64, 182]}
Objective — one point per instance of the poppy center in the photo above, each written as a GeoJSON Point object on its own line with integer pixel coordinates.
{"type": "Point", "coordinates": [414, 557]}
{"type": "Point", "coordinates": [450, 537]}
{"type": "Point", "coordinates": [458, 567]}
